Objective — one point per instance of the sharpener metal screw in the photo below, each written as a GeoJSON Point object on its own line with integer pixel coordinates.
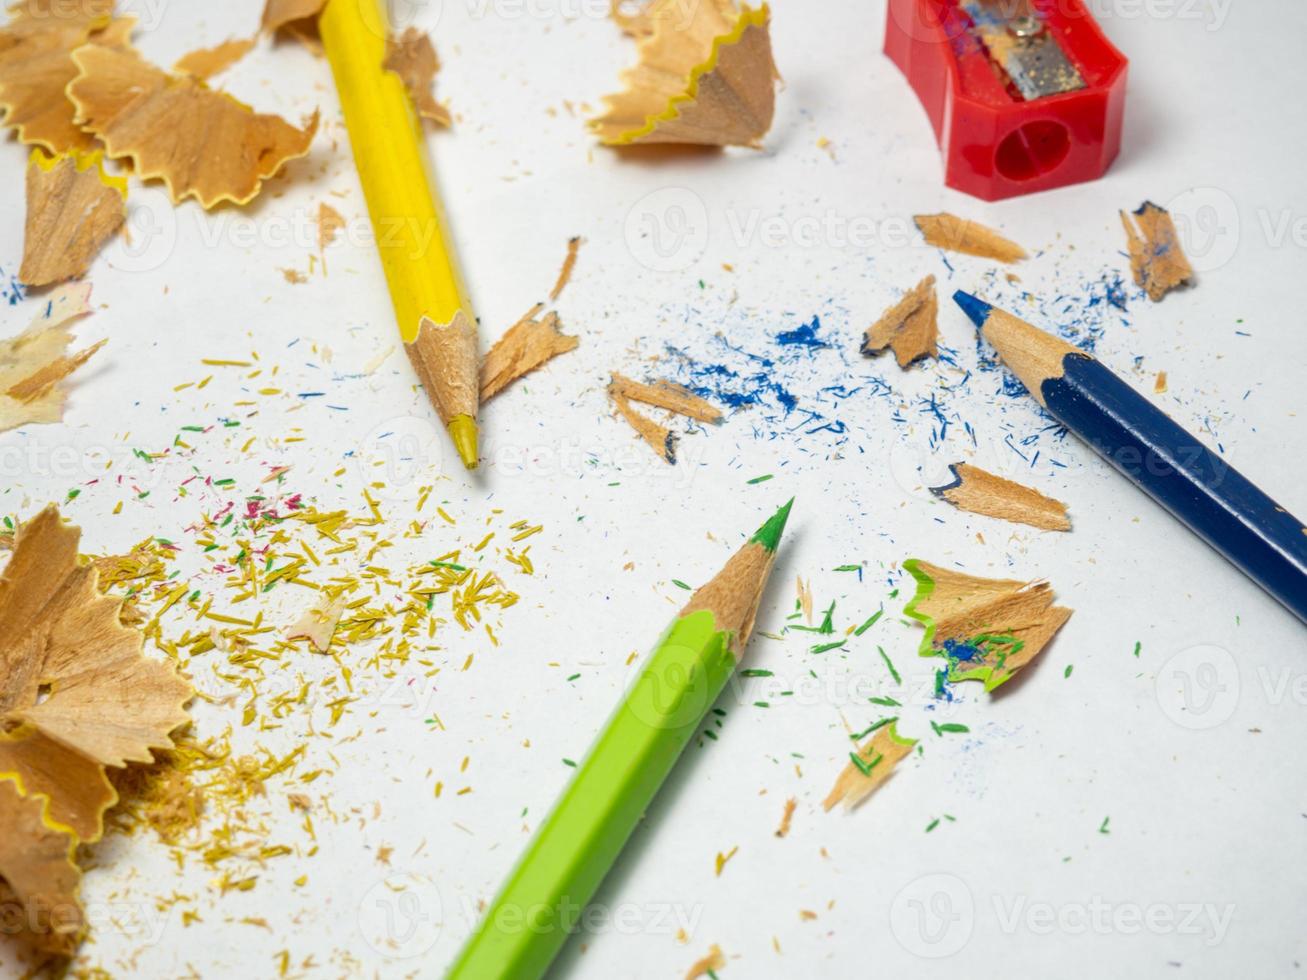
{"type": "Point", "coordinates": [1026, 27]}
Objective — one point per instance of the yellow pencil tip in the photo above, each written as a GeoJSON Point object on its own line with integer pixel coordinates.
{"type": "Point", "coordinates": [463, 430]}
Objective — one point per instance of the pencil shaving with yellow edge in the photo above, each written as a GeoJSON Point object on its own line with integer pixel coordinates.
{"type": "Point", "coordinates": [200, 143]}
{"type": "Point", "coordinates": [73, 208]}
{"type": "Point", "coordinates": [36, 66]}
{"type": "Point", "coordinates": [705, 76]}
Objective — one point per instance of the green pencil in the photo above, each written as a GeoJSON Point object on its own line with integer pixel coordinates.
{"type": "Point", "coordinates": [577, 844]}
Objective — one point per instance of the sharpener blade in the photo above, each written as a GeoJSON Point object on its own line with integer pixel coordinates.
{"type": "Point", "coordinates": [1019, 42]}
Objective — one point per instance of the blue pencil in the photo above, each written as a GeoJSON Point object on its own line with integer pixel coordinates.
{"type": "Point", "coordinates": [1140, 440]}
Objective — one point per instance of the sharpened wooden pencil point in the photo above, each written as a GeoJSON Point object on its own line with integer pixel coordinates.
{"type": "Point", "coordinates": [432, 309]}
{"type": "Point", "coordinates": [1147, 446]}
{"type": "Point", "coordinates": [1033, 355]}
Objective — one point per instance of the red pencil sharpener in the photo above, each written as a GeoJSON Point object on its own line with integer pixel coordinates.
{"type": "Point", "coordinates": [1024, 95]}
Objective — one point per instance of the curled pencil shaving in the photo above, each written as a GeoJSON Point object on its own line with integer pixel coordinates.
{"type": "Point", "coordinates": [910, 326]}
{"type": "Point", "coordinates": [565, 273]}
{"type": "Point", "coordinates": [414, 60]}
{"type": "Point", "coordinates": [980, 492]}
{"type": "Point", "coordinates": [954, 234]}
{"type": "Point", "coordinates": [1156, 258]}
{"type": "Point", "coordinates": [200, 143]}
{"type": "Point", "coordinates": [73, 208]}
{"type": "Point", "coordinates": [204, 63]}
{"type": "Point", "coordinates": [318, 624]}
{"type": "Point", "coordinates": [37, 873]}
{"type": "Point", "coordinates": [36, 66]}
{"type": "Point", "coordinates": [708, 964]}
{"type": "Point", "coordinates": [527, 346]}
{"type": "Point", "coordinates": [868, 768]}
{"type": "Point", "coordinates": [705, 76]}
{"type": "Point", "coordinates": [661, 439]}
{"type": "Point", "coordinates": [987, 629]}
{"type": "Point", "coordinates": [298, 18]}
{"type": "Point", "coordinates": [33, 363]}
{"type": "Point", "coordinates": [667, 396]}
{"type": "Point", "coordinates": [77, 695]}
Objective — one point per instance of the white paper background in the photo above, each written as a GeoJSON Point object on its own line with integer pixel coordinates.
{"type": "Point", "coordinates": [1190, 750]}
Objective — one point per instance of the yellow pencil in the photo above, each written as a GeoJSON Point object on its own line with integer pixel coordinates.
{"type": "Point", "coordinates": [435, 318]}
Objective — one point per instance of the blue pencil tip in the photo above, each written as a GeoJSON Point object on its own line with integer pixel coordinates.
{"type": "Point", "coordinates": [976, 309]}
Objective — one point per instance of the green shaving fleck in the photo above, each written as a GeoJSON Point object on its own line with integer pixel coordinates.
{"type": "Point", "coordinates": [828, 620]}
{"type": "Point", "coordinates": [870, 622]}
{"type": "Point", "coordinates": [1138, 646]}
{"type": "Point", "coordinates": [888, 663]}
{"type": "Point", "coordinates": [755, 672]}
{"type": "Point", "coordinates": [932, 825]}
{"type": "Point", "coordinates": [873, 727]}
{"type": "Point", "coordinates": [760, 479]}
{"type": "Point", "coordinates": [827, 647]}
{"type": "Point", "coordinates": [885, 702]}
{"type": "Point", "coordinates": [1069, 668]}
{"type": "Point", "coordinates": [849, 568]}
{"type": "Point", "coordinates": [569, 762]}
{"type": "Point", "coordinates": [1102, 829]}
{"type": "Point", "coordinates": [949, 727]}
{"type": "Point", "coordinates": [680, 585]}
{"type": "Point", "coordinates": [448, 564]}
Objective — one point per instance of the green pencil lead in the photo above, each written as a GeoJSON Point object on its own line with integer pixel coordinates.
{"type": "Point", "coordinates": [769, 535]}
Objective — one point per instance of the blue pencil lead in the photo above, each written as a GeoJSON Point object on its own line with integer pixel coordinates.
{"type": "Point", "coordinates": [976, 309]}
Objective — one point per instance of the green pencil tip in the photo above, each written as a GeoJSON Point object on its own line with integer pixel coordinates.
{"type": "Point", "coordinates": [769, 535]}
